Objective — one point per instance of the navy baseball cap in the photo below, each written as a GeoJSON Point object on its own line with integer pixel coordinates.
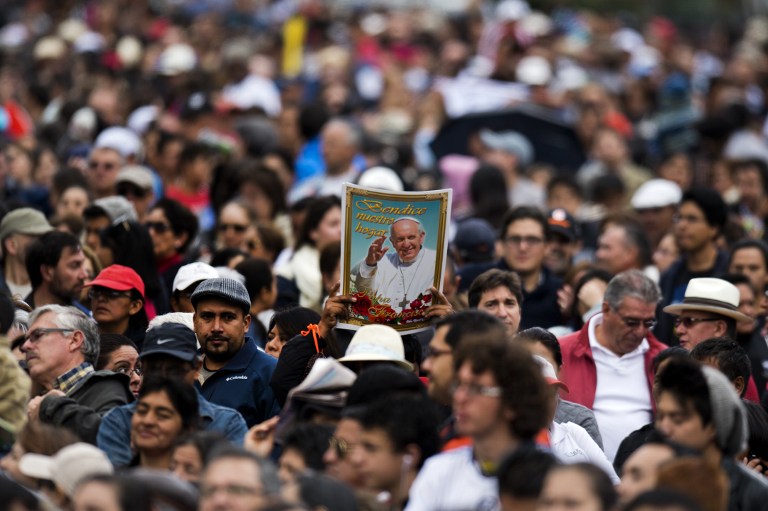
{"type": "Point", "coordinates": [172, 339]}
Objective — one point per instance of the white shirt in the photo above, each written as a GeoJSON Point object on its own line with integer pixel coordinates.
{"type": "Point", "coordinates": [571, 443]}
{"type": "Point", "coordinates": [304, 270]}
{"type": "Point", "coordinates": [452, 481]}
{"type": "Point", "coordinates": [395, 280]}
{"type": "Point", "coordinates": [622, 398]}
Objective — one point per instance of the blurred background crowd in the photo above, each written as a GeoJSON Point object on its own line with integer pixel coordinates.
{"type": "Point", "coordinates": [162, 155]}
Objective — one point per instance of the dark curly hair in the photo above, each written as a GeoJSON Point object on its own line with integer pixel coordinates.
{"type": "Point", "coordinates": [524, 390]}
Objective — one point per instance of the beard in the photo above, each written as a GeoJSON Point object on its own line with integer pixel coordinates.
{"type": "Point", "coordinates": [222, 353]}
{"type": "Point", "coordinates": [66, 295]}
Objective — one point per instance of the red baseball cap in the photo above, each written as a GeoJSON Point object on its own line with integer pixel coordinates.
{"type": "Point", "coordinates": [119, 278]}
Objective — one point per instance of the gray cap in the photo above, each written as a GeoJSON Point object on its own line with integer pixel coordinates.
{"type": "Point", "coordinates": [228, 290]}
{"type": "Point", "coordinates": [510, 142]}
{"type": "Point", "coordinates": [117, 208]}
{"type": "Point", "coordinates": [138, 175]}
{"type": "Point", "coordinates": [728, 413]}
{"type": "Point", "coordinates": [24, 221]}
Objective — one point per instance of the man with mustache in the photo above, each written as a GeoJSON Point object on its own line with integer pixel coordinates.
{"type": "Point", "coordinates": [235, 373]}
{"type": "Point", "coordinates": [60, 348]}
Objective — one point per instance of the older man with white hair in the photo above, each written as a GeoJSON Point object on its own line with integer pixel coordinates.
{"type": "Point", "coordinates": [60, 349]}
{"type": "Point", "coordinates": [400, 276]}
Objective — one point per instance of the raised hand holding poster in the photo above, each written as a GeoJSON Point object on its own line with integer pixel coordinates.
{"type": "Point", "coordinates": [394, 247]}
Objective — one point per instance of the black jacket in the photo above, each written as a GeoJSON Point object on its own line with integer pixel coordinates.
{"type": "Point", "coordinates": [748, 491]}
{"type": "Point", "coordinates": [82, 409]}
{"type": "Point", "coordinates": [539, 307]}
{"type": "Point", "coordinates": [664, 330]}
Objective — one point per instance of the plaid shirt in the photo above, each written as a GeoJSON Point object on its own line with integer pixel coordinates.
{"type": "Point", "coordinates": [69, 380]}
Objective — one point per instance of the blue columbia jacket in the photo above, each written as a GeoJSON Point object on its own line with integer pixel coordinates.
{"type": "Point", "coordinates": [243, 384]}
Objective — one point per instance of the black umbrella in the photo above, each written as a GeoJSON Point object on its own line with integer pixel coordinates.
{"type": "Point", "coordinates": [554, 141]}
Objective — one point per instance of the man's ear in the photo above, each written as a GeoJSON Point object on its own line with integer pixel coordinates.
{"type": "Point", "coordinates": [247, 321]}
{"type": "Point", "coordinates": [740, 385]}
{"type": "Point", "coordinates": [46, 272]}
{"type": "Point", "coordinates": [77, 340]}
{"type": "Point", "coordinates": [9, 246]}
{"type": "Point", "coordinates": [605, 308]}
{"type": "Point", "coordinates": [721, 328]}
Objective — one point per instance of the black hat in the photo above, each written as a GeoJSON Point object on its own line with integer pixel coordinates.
{"type": "Point", "coordinates": [172, 339]}
{"type": "Point", "coordinates": [559, 221]}
{"type": "Point", "coordinates": [475, 240]}
{"type": "Point", "coordinates": [380, 381]}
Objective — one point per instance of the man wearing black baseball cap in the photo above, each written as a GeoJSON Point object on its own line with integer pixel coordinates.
{"type": "Point", "coordinates": [170, 350]}
{"type": "Point", "coordinates": [235, 372]}
{"type": "Point", "coordinates": [564, 241]}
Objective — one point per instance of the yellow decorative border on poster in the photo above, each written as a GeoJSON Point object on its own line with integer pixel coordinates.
{"type": "Point", "coordinates": [394, 248]}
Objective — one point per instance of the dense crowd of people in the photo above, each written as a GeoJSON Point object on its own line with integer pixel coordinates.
{"type": "Point", "coordinates": [170, 257]}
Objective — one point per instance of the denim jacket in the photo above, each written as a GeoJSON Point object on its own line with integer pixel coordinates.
{"type": "Point", "coordinates": [114, 436]}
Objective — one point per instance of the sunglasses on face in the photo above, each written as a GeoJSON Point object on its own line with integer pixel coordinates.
{"type": "Point", "coordinates": [131, 191]}
{"type": "Point", "coordinates": [689, 322]}
{"type": "Point", "coordinates": [238, 228]}
{"type": "Point", "coordinates": [106, 165]}
{"type": "Point", "coordinates": [158, 227]}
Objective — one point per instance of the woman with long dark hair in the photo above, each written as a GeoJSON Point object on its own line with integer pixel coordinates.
{"type": "Point", "coordinates": [128, 243]}
{"type": "Point", "coordinates": [300, 281]}
{"type": "Point", "coordinates": [172, 228]}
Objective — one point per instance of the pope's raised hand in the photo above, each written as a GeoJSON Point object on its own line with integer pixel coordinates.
{"type": "Point", "coordinates": [376, 251]}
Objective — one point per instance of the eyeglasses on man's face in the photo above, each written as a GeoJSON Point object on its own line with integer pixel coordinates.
{"type": "Point", "coordinates": [646, 323]}
{"type": "Point", "coordinates": [475, 389]}
{"type": "Point", "coordinates": [38, 333]}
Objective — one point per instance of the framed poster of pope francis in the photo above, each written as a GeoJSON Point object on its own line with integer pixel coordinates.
{"type": "Point", "coordinates": [393, 251]}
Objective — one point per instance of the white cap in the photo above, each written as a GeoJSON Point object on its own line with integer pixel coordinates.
{"type": "Point", "coordinates": [82, 124]}
{"type": "Point", "coordinates": [192, 273]}
{"type": "Point", "coordinates": [627, 39]}
{"type": "Point", "coordinates": [129, 49]}
{"type": "Point", "coordinates": [141, 118]}
{"type": "Point", "coordinates": [533, 70]}
{"type": "Point", "coordinates": [377, 343]}
{"type": "Point", "coordinates": [50, 47]}
{"type": "Point", "coordinates": [656, 193]}
{"type": "Point", "coordinates": [549, 373]}
{"type": "Point", "coordinates": [252, 92]}
{"type": "Point", "coordinates": [383, 178]}
{"type": "Point", "coordinates": [72, 28]}
{"type": "Point", "coordinates": [512, 10]}
{"type": "Point", "coordinates": [176, 59]}
{"type": "Point", "coordinates": [122, 140]}
{"type": "Point", "coordinates": [89, 42]}
{"type": "Point", "coordinates": [67, 467]}
{"type": "Point", "coordinates": [13, 36]}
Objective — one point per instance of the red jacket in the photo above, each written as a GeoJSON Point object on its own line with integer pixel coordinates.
{"type": "Point", "coordinates": [579, 372]}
